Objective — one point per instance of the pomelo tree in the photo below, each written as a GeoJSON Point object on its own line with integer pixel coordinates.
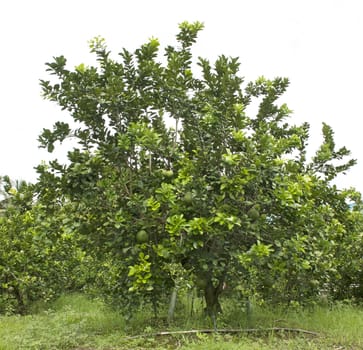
{"type": "Point", "coordinates": [174, 182]}
{"type": "Point", "coordinates": [39, 255]}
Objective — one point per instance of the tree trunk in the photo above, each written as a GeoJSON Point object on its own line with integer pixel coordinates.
{"type": "Point", "coordinates": [211, 295]}
{"type": "Point", "coordinates": [20, 299]}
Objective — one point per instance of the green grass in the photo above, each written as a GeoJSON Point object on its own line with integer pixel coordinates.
{"type": "Point", "coordinates": [72, 321]}
{"type": "Point", "coordinates": [76, 322]}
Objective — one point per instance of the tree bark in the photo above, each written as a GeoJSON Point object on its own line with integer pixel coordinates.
{"type": "Point", "coordinates": [211, 295]}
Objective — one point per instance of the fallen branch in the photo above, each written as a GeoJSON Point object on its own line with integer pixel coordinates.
{"type": "Point", "coordinates": [229, 331]}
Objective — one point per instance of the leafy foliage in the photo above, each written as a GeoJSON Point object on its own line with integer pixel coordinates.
{"type": "Point", "coordinates": [39, 258]}
{"type": "Point", "coordinates": [224, 195]}
{"type": "Point", "coordinates": [171, 173]}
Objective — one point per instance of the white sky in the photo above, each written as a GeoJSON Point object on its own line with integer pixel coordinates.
{"type": "Point", "coordinates": [317, 44]}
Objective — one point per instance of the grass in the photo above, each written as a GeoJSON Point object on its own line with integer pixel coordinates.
{"type": "Point", "coordinates": [76, 322]}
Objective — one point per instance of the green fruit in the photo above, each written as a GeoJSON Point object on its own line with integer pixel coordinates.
{"type": "Point", "coordinates": [167, 173]}
{"type": "Point", "coordinates": [188, 197]}
{"type": "Point", "coordinates": [253, 214]}
{"type": "Point", "coordinates": [142, 237]}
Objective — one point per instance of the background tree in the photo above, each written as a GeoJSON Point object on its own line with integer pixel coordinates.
{"type": "Point", "coordinates": [39, 255]}
{"type": "Point", "coordinates": [170, 173]}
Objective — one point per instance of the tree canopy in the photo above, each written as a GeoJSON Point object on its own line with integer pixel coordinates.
{"type": "Point", "coordinates": [173, 184]}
